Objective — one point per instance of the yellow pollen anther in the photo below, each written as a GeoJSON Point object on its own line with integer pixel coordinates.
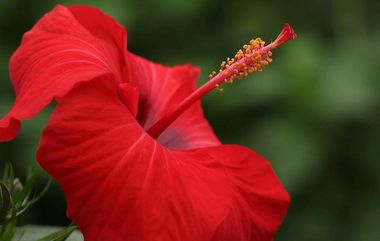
{"type": "Point", "coordinates": [251, 58]}
{"type": "Point", "coordinates": [229, 81]}
{"type": "Point", "coordinates": [217, 87]}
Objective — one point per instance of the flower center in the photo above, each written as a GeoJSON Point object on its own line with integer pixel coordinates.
{"type": "Point", "coordinates": [253, 57]}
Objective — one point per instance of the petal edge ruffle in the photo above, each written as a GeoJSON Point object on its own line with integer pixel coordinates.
{"type": "Point", "coordinates": [55, 55]}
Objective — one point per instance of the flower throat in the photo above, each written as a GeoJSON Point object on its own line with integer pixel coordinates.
{"type": "Point", "coordinates": [251, 58]}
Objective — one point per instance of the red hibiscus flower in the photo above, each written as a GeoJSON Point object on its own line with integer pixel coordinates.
{"type": "Point", "coordinates": [128, 141]}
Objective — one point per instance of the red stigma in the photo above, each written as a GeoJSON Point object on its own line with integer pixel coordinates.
{"type": "Point", "coordinates": [286, 34]}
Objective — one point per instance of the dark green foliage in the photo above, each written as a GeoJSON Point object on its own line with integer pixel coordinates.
{"type": "Point", "coordinates": [15, 199]}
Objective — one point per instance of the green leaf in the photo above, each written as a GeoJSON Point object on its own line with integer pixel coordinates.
{"type": "Point", "coordinates": [48, 233]}
{"type": "Point", "coordinates": [5, 202]}
{"type": "Point", "coordinates": [15, 198]}
{"type": "Point", "coordinates": [8, 231]}
{"type": "Point", "coordinates": [8, 176]}
{"type": "Point", "coordinates": [60, 235]}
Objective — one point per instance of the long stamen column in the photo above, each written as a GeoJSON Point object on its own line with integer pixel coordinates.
{"type": "Point", "coordinates": [253, 57]}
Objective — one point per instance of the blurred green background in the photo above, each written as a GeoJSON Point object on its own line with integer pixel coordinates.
{"type": "Point", "coordinates": [314, 113]}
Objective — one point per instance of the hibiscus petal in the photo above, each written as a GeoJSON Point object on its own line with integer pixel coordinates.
{"type": "Point", "coordinates": [161, 88]}
{"type": "Point", "coordinates": [260, 199]}
{"type": "Point", "coordinates": [121, 184]}
{"type": "Point", "coordinates": [67, 46]}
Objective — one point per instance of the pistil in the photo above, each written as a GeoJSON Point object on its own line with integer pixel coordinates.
{"type": "Point", "coordinates": [252, 58]}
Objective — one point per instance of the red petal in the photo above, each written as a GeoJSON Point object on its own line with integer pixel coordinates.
{"type": "Point", "coordinates": [63, 49]}
{"type": "Point", "coordinates": [161, 88]}
{"type": "Point", "coordinates": [120, 184]}
{"type": "Point", "coordinates": [260, 199]}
